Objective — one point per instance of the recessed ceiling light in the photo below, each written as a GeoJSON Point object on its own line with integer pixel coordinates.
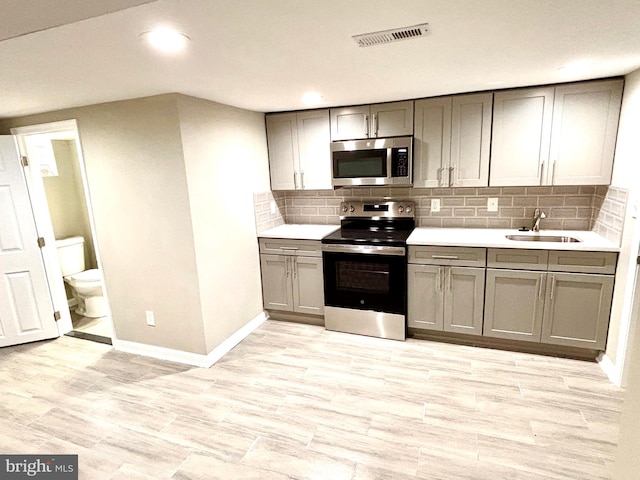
{"type": "Point", "coordinates": [312, 98]}
{"type": "Point", "coordinates": [578, 67]}
{"type": "Point", "coordinates": [166, 40]}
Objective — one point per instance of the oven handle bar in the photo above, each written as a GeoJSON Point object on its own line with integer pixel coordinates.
{"type": "Point", "coordinates": [364, 249]}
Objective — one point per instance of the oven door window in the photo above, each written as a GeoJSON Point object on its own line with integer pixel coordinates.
{"type": "Point", "coordinates": [365, 282]}
{"type": "Point", "coordinates": [360, 164]}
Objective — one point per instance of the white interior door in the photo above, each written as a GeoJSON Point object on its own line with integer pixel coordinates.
{"type": "Point", "coordinates": [26, 311]}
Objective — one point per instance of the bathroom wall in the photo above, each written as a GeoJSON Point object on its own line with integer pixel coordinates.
{"type": "Point", "coordinates": [66, 199]}
{"type": "Point", "coordinates": [138, 186]}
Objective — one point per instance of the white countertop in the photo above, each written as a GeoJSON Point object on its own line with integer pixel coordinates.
{"type": "Point", "coordinates": [299, 231]}
{"type": "Point", "coordinates": [496, 238]}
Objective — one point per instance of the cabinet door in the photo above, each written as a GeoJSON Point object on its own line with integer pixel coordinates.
{"type": "Point", "coordinates": [314, 139]}
{"type": "Point", "coordinates": [276, 282]}
{"type": "Point", "coordinates": [308, 285]}
{"type": "Point", "coordinates": [425, 296]}
{"type": "Point", "coordinates": [464, 300]}
{"type": "Point", "coordinates": [392, 119]}
{"type": "Point", "coordinates": [583, 135]}
{"type": "Point", "coordinates": [471, 139]}
{"type": "Point", "coordinates": [349, 123]}
{"type": "Point", "coordinates": [514, 304]}
{"type": "Point", "coordinates": [521, 136]}
{"type": "Point", "coordinates": [577, 310]}
{"type": "Point", "coordinates": [432, 142]}
{"type": "Point", "coordinates": [282, 141]}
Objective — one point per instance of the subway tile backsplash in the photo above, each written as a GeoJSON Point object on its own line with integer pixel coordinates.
{"type": "Point", "coordinates": [266, 217]}
{"type": "Point", "coordinates": [598, 208]}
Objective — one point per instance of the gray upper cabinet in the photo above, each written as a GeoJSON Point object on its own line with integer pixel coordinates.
{"type": "Point", "coordinates": [563, 135]}
{"type": "Point", "coordinates": [521, 136]}
{"type": "Point", "coordinates": [452, 141]}
{"type": "Point", "coordinates": [372, 121]}
{"type": "Point", "coordinates": [583, 134]}
{"type": "Point", "coordinates": [299, 156]}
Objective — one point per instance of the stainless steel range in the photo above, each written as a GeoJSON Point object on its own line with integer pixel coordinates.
{"type": "Point", "coordinates": [365, 269]}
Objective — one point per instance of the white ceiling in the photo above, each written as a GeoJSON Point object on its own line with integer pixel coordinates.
{"type": "Point", "coordinates": [265, 54]}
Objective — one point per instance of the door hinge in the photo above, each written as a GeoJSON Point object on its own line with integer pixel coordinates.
{"type": "Point", "coordinates": [25, 161]}
{"type": "Point", "coordinates": [56, 316]}
{"type": "Point", "coordinates": [41, 242]}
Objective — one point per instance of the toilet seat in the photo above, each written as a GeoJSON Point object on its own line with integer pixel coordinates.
{"type": "Point", "coordinates": [87, 277]}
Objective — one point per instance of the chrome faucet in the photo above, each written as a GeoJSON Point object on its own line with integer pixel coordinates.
{"type": "Point", "coordinates": [537, 216]}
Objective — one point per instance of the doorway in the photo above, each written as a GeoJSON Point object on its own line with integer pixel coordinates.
{"type": "Point", "coordinates": [57, 184]}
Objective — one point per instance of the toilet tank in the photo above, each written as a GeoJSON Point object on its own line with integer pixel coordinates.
{"type": "Point", "coordinates": [71, 255]}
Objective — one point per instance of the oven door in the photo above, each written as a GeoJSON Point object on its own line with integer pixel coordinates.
{"type": "Point", "coordinates": [365, 281]}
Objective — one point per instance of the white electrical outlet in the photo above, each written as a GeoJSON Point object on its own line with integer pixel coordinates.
{"type": "Point", "coordinates": [151, 319]}
{"type": "Point", "coordinates": [435, 205]}
{"type": "Point", "coordinates": [492, 205]}
{"type": "Point", "coordinates": [273, 207]}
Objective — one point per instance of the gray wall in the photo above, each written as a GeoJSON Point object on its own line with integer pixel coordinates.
{"type": "Point", "coordinates": [225, 155]}
{"type": "Point", "coordinates": [66, 199]}
{"type": "Point", "coordinates": [138, 187]}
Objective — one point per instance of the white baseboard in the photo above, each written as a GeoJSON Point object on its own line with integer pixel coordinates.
{"type": "Point", "coordinates": [189, 358]}
{"type": "Point", "coordinates": [610, 369]}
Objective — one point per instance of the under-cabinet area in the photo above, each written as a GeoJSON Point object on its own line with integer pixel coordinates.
{"type": "Point", "coordinates": [544, 296]}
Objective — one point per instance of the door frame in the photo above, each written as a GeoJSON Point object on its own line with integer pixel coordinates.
{"type": "Point", "coordinates": [44, 226]}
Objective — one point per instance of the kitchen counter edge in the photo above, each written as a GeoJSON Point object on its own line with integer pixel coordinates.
{"type": "Point", "coordinates": [496, 238]}
{"type": "Point", "coordinates": [291, 231]}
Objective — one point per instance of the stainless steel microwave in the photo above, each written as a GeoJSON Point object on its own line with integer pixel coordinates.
{"type": "Point", "coordinates": [376, 161]}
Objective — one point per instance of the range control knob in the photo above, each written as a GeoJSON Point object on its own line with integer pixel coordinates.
{"type": "Point", "coordinates": [345, 208]}
{"type": "Point", "coordinates": [409, 209]}
{"type": "Point", "coordinates": [352, 209]}
{"type": "Point", "coordinates": [400, 209]}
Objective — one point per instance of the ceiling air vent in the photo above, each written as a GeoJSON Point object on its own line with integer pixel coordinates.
{"type": "Point", "coordinates": [393, 35]}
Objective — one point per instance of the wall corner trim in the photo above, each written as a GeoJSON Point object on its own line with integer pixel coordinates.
{"type": "Point", "coordinates": [188, 358]}
{"type": "Point", "coordinates": [610, 369]}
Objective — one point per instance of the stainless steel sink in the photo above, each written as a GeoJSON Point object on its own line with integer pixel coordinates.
{"type": "Point", "coordinates": [543, 238]}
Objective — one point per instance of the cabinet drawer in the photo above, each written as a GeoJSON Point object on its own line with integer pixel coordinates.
{"type": "Point", "coordinates": [517, 259]}
{"type": "Point", "coordinates": [457, 256]}
{"type": "Point", "coordinates": [279, 246]}
{"type": "Point", "coordinates": [582, 262]}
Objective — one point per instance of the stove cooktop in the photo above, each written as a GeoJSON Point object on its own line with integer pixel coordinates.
{"type": "Point", "coordinates": [370, 236]}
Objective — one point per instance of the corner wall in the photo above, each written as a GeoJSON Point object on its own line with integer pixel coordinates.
{"type": "Point", "coordinates": [626, 172]}
{"type": "Point", "coordinates": [225, 155]}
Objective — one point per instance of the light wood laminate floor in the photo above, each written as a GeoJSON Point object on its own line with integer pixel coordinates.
{"type": "Point", "coordinates": [298, 402]}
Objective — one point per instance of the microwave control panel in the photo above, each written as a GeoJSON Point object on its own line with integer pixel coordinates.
{"type": "Point", "coordinates": [400, 162]}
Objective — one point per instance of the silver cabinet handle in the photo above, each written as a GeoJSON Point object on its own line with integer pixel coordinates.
{"type": "Point", "coordinates": [553, 286]}
{"type": "Point", "coordinates": [375, 125]}
{"type": "Point", "coordinates": [439, 283]}
{"type": "Point", "coordinates": [449, 279]}
{"type": "Point", "coordinates": [451, 176]}
{"type": "Point", "coordinates": [289, 248]}
{"type": "Point", "coordinates": [553, 172]}
{"type": "Point", "coordinates": [445, 257]}
{"type": "Point", "coordinates": [540, 286]}
{"type": "Point", "coordinates": [294, 264]}
{"type": "Point", "coordinates": [286, 266]}
{"type": "Point", "coordinates": [295, 180]}
{"type": "Point", "coordinates": [302, 180]}
{"type": "Point", "coordinates": [440, 176]}
{"type": "Point", "coordinates": [541, 173]}
{"type": "Point", "coordinates": [366, 126]}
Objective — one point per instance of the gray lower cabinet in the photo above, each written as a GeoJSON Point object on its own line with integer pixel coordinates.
{"type": "Point", "coordinates": [514, 304]}
{"type": "Point", "coordinates": [543, 305]}
{"type": "Point", "coordinates": [444, 297]}
{"type": "Point", "coordinates": [292, 283]}
{"type": "Point", "coordinates": [577, 308]}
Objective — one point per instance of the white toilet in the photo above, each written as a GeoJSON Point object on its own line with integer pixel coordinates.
{"type": "Point", "coordinates": [86, 285]}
